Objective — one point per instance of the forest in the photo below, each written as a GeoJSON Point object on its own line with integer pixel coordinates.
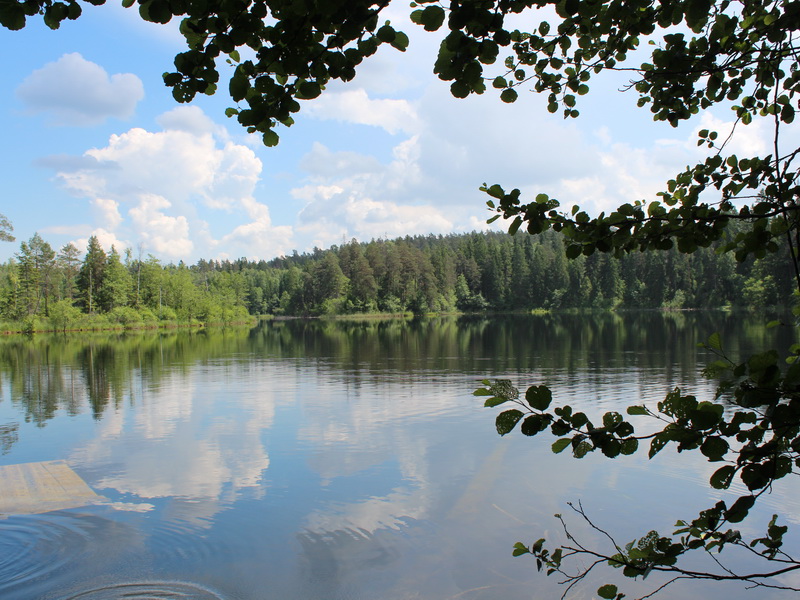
{"type": "Point", "coordinates": [42, 289]}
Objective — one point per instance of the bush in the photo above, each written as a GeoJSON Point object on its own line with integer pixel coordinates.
{"type": "Point", "coordinates": [167, 313]}
{"type": "Point", "coordinates": [64, 315]}
{"type": "Point", "coordinates": [126, 316]}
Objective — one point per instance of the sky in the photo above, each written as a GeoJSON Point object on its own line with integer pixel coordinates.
{"type": "Point", "coordinates": [94, 144]}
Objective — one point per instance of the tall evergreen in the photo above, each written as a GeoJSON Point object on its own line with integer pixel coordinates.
{"type": "Point", "coordinates": [117, 283]}
{"type": "Point", "coordinates": [90, 276]}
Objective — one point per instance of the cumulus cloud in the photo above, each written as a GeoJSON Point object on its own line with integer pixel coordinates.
{"type": "Point", "coordinates": [190, 119]}
{"type": "Point", "coordinates": [107, 240]}
{"type": "Point", "coordinates": [166, 235]}
{"type": "Point", "coordinates": [108, 211]}
{"type": "Point", "coordinates": [322, 162]}
{"type": "Point", "coordinates": [76, 91]}
{"type": "Point", "coordinates": [168, 189]}
{"type": "Point", "coordinates": [365, 199]}
{"type": "Point", "coordinates": [430, 184]}
{"type": "Point", "coordinates": [355, 106]}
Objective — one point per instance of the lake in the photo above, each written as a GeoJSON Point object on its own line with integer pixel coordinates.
{"type": "Point", "coordinates": [327, 460]}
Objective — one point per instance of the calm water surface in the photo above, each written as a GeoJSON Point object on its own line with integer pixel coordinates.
{"type": "Point", "coordinates": [340, 460]}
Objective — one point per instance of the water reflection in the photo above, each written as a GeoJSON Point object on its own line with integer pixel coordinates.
{"type": "Point", "coordinates": [335, 459]}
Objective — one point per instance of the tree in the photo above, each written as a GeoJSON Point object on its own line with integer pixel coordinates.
{"type": "Point", "coordinates": [362, 290]}
{"type": "Point", "coordinates": [6, 227]}
{"type": "Point", "coordinates": [326, 283]}
{"type": "Point", "coordinates": [29, 278]}
{"type": "Point", "coordinates": [69, 263]}
{"type": "Point", "coordinates": [703, 54]}
{"type": "Point", "coordinates": [117, 283]}
{"type": "Point", "coordinates": [90, 277]}
{"type": "Point", "coordinates": [64, 314]}
{"type": "Point", "coordinates": [36, 262]}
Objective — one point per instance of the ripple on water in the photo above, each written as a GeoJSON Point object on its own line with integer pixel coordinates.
{"type": "Point", "coordinates": [155, 590]}
{"type": "Point", "coordinates": [185, 541]}
{"type": "Point", "coordinates": [32, 548]}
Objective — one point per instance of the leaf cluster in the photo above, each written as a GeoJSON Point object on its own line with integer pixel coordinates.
{"type": "Point", "coordinates": [753, 428]}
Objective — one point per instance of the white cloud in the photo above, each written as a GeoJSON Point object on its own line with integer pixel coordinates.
{"type": "Point", "coordinates": [108, 211]}
{"type": "Point", "coordinates": [322, 162]}
{"type": "Point", "coordinates": [257, 238]}
{"type": "Point", "coordinates": [167, 235]}
{"type": "Point", "coordinates": [190, 119]}
{"type": "Point", "coordinates": [365, 199]}
{"type": "Point", "coordinates": [355, 106]}
{"type": "Point", "coordinates": [106, 238]}
{"type": "Point", "coordinates": [430, 183]}
{"type": "Point", "coordinates": [747, 140]}
{"type": "Point", "coordinates": [79, 92]}
{"type": "Point", "coordinates": [183, 191]}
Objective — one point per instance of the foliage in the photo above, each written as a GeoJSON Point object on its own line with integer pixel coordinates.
{"type": "Point", "coordinates": [5, 229]}
{"type": "Point", "coordinates": [64, 314]}
{"type": "Point", "coordinates": [702, 54]}
{"type": "Point", "coordinates": [758, 444]}
{"type": "Point", "coordinates": [470, 273]}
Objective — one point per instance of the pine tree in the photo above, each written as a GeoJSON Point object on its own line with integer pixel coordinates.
{"type": "Point", "coordinates": [90, 277]}
{"type": "Point", "coordinates": [117, 283]}
{"type": "Point", "coordinates": [69, 263]}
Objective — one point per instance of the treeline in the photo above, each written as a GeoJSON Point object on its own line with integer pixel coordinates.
{"type": "Point", "coordinates": [466, 272]}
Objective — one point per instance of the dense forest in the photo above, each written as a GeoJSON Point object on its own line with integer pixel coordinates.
{"type": "Point", "coordinates": [41, 288]}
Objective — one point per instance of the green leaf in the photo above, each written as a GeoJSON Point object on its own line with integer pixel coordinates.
{"type": "Point", "coordinates": [128, 3]}
{"type": "Point", "coordinates": [629, 446]}
{"type": "Point", "coordinates": [539, 397]}
{"type": "Point", "coordinates": [156, 11]}
{"type": "Point", "coordinates": [238, 85]}
{"type": "Point", "coordinates": [499, 82]}
{"type": "Point", "coordinates": [714, 448]}
{"type": "Point", "coordinates": [432, 17]}
{"type": "Point", "coordinates": [270, 138]}
{"type": "Point", "coordinates": [507, 420]}
{"type": "Point", "coordinates": [560, 445]}
{"type": "Point", "coordinates": [637, 410]}
{"type": "Point", "coordinates": [400, 41]}
{"type": "Point", "coordinates": [12, 16]}
{"type": "Point", "coordinates": [658, 443]}
{"type": "Point", "coordinates": [508, 95]}
{"type": "Point", "coordinates": [611, 419]}
{"type": "Point", "coordinates": [722, 477]}
{"type": "Point", "coordinates": [582, 449]}
{"type": "Point", "coordinates": [308, 90]}
{"type": "Point", "coordinates": [607, 591]}
{"type": "Point", "coordinates": [386, 34]}
{"type": "Point", "coordinates": [714, 342]}
{"type": "Point", "coordinates": [740, 508]}
{"type": "Point", "coordinates": [459, 89]}
{"type": "Point", "coordinates": [520, 549]}
{"type": "Point", "coordinates": [494, 401]}
{"type": "Point", "coordinates": [496, 191]}
{"type": "Point", "coordinates": [533, 424]}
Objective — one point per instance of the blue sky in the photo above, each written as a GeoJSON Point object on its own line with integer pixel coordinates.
{"type": "Point", "coordinates": [94, 144]}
